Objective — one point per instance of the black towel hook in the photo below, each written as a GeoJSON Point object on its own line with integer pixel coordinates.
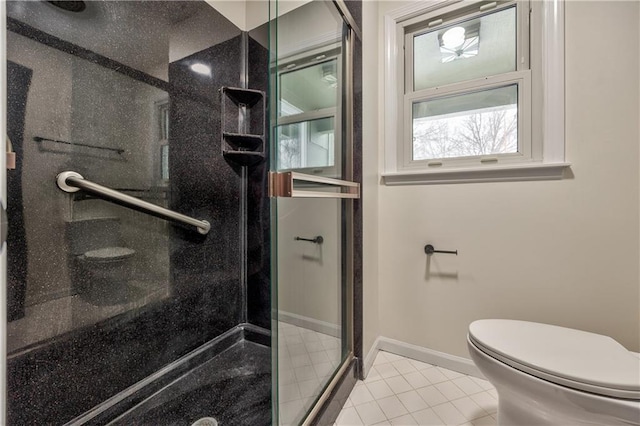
{"type": "Point", "coordinates": [429, 250]}
{"type": "Point", "coordinates": [316, 240]}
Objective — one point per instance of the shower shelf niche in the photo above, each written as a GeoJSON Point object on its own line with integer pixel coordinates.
{"type": "Point", "coordinates": [243, 125]}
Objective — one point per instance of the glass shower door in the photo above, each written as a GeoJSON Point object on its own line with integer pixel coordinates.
{"type": "Point", "coordinates": [309, 302]}
{"type": "Point", "coordinates": [311, 209]}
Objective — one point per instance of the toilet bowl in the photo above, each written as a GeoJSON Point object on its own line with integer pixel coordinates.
{"type": "Point", "coordinates": [101, 266]}
{"type": "Point", "coordinates": [549, 375]}
{"type": "Point", "coordinates": [107, 266]}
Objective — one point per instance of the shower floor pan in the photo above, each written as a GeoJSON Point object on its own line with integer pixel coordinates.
{"type": "Point", "coordinates": [228, 379]}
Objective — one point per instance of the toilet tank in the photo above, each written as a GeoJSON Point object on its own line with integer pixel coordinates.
{"type": "Point", "coordinates": [91, 234]}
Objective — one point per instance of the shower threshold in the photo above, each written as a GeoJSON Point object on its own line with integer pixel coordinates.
{"type": "Point", "coordinates": [228, 378]}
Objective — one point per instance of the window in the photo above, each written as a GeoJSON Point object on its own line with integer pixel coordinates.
{"type": "Point", "coordinates": [162, 136]}
{"type": "Point", "coordinates": [308, 133]}
{"type": "Point", "coordinates": [464, 92]}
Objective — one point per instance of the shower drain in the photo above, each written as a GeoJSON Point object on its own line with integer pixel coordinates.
{"type": "Point", "coordinates": [206, 421]}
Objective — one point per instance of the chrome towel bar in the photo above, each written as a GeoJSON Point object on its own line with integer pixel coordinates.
{"type": "Point", "coordinates": [281, 185]}
{"type": "Point", "coordinates": [72, 182]}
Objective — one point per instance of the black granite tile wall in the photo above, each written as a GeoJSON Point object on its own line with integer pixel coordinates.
{"type": "Point", "coordinates": [355, 7]}
{"type": "Point", "coordinates": [18, 27]}
{"type": "Point", "coordinates": [61, 379]}
{"type": "Point", "coordinates": [54, 378]}
{"type": "Point", "coordinates": [18, 78]}
{"type": "Point", "coordinates": [203, 184]}
{"type": "Point", "coordinates": [258, 213]}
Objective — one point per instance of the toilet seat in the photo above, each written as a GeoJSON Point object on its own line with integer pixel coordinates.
{"type": "Point", "coordinates": [108, 254]}
{"type": "Point", "coordinates": [572, 358]}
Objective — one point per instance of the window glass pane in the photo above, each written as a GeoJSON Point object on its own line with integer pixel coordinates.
{"type": "Point", "coordinates": [164, 162]}
{"type": "Point", "coordinates": [306, 144]}
{"type": "Point", "coordinates": [466, 50]}
{"type": "Point", "coordinates": [309, 89]}
{"type": "Point", "coordinates": [480, 123]}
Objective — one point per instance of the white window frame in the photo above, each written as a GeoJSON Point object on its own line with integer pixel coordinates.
{"type": "Point", "coordinates": [299, 61]}
{"type": "Point", "coordinates": [304, 119]}
{"type": "Point", "coordinates": [161, 117]}
{"type": "Point", "coordinates": [543, 85]}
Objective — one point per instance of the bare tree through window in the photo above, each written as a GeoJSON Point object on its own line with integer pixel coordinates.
{"type": "Point", "coordinates": [289, 154]}
{"type": "Point", "coordinates": [488, 132]}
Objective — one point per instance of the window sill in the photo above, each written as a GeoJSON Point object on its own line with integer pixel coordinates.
{"type": "Point", "coordinates": [533, 171]}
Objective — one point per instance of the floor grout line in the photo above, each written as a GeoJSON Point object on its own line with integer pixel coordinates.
{"type": "Point", "coordinates": [402, 391]}
{"type": "Point", "coordinates": [306, 360]}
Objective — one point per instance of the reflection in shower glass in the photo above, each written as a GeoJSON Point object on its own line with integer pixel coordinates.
{"type": "Point", "coordinates": [308, 132]}
{"type": "Point", "coordinates": [309, 301]}
{"type": "Point", "coordinates": [309, 88]}
{"type": "Point", "coordinates": [162, 112]}
{"type": "Point", "coordinates": [308, 276]}
{"type": "Point", "coordinates": [306, 144]}
{"type": "Point", "coordinates": [88, 260]}
{"type": "Point", "coordinates": [102, 297]}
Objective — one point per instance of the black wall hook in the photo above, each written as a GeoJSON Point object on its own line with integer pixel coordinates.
{"type": "Point", "coordinates": [316, 240]}
{"type": "Point", "coordinates": [429, 249]}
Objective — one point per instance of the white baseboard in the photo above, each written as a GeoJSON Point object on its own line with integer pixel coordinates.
{"type": "Point", "coordinates": [419, 353]}
{"type": "Point", "coordinates": [367, 363]}
{"type": "Point", "coordinates": [310, 323]}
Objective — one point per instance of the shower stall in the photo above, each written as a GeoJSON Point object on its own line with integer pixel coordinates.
{"type": "Point", "coordinates": [180, 194]}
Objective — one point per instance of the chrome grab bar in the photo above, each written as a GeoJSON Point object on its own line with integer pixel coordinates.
{"type": "Point", "coordinates": [281, 185]}
{"type": "Point", "coordinates": [72, 182]}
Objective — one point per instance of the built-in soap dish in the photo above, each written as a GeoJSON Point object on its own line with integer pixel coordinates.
{"type": "Point", "coordinates": [243, 125]}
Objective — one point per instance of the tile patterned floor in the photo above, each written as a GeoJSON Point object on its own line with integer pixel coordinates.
{"type": "Point", "coordinates": [403, 391]}
{"type": "Point", "coordinates": [306, 360]}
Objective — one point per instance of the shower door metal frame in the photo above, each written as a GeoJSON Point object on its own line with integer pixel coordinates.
{"type": "Point", "coordinates": [281, 185]}
{"type": "Point", "coordinates": [3, 198]}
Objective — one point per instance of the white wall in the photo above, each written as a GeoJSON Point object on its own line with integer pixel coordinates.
{"type": "Point", "coordinates": [250, 14]}
{"type": "Point", "coordinates": [370, 162]}
{"type": "Point", "coordinates": [309, 275]}
{"type": "Point", "coordinates": [314, 24]}
{"type": "Point", "coordinates": [561, 252]}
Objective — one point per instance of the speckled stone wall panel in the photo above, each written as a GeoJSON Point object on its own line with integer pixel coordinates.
{"type": "Point", "coordinates": [355, 7]}
{"type": "Point", "coordinates": [18, 82]}
{"type": "Point", "coordinates": [258, 213]}
{"type": "Point", "coordinates": [203, 184]}
{"type": "Point", "coordinates": [59, 378]}
{"type": "Point", "coordinates": [62, 379]}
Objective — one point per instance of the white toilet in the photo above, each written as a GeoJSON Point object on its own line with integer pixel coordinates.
{"type": "Point", "coordinates": [549, 375]}
{"type": "Point", "coordinates": [101, 267]}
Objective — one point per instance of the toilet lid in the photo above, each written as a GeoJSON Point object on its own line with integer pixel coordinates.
{"type": "Point", "coordinates": [109, 253]}
{"type": "Point", "coordinates": [572, 358]}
